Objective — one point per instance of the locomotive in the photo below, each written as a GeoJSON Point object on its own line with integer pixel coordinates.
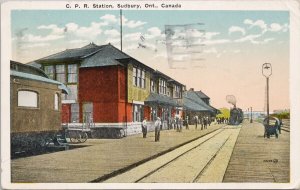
{"type": "Point", "coordinates": [236, 116]}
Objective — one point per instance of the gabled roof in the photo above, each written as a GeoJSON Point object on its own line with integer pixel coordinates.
{"type": "Point", "coordinates": [191, 100]}
{"type": "Point", "coordinates": [201, 94]}
{"type": "Point", "coordinates": [91, 55]}
{"type": "Point", "coordinates": [106, 56]}
{"type": "Point", "coordinates": [73, 54]}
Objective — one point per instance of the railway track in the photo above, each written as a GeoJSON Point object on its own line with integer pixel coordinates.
{"type": "Point", "coordinates": [190, 163]}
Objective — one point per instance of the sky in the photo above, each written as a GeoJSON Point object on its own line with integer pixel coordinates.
{"type": "Point", "coordinates": [218, 52]}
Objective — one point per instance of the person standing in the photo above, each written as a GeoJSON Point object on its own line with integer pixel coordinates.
{"type": "Point", "coordinates": [144, 127]}
{"type": "Point", "coordinates": [196, 121]}
{"type": "Point", "coordinates": [157, 125]}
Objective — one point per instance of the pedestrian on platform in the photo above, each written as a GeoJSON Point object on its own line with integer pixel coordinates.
{"type": "Point", "coordinates": [205, 122]}
{"type": "Point", "coordinates": [196, 121]}
{"type": "Point", "coordinates": [157, 125]}
{"type": "Point", "coordinates": [187, 122]}
{"type": "Point", "coordinates": [202, 123]}
{"type": "Point", "coordinates": [144, 127]}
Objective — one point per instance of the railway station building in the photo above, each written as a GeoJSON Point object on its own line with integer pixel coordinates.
{"type": "Point", "coordinates": [111, 90]}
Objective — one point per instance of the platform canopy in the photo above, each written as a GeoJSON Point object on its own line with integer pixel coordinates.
{"type": "Point", "coordinates": [159, 99]}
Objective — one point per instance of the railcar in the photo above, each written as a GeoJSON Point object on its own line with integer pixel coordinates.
{"type": "Point", "coordinates": [35, 111]}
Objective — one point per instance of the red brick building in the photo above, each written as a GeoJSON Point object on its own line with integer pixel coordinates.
{"type": "Point", "coordinates": [111, 90]}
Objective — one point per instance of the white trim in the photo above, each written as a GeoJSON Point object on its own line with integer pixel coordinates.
{"type": "Point", "coordinates": [138, 102]}
{"type": "Point", "coordinates": [68, 101]}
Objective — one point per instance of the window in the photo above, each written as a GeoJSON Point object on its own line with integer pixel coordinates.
{"type": "Point", "coordinates": [134, 79]}
{"type": "Point", "coordinates": [137, 113]}
{"type": "Point", "coordinates": [177, 91]}
{"type": "Point", "coordinates": [143, 79]}
{"type": "Point", "coordinates": [72, 73]}
{"type": "Point", "coordinates": [138, 77]}
{"type": "Point", "coordinates": [74, 113]}
{"type": "Point", "coordinates": [152, 86]}
{"type": "Point", "coordinates": [73, 92]}
{"type": "Point", "coordinates": [49, 70]}
{"type": "Point", "coordinates": [27, 98]}
{"type": "Point", "coordinates": [60, 73]}
{"type": "Point", "coordinates": [56, 101]}
{"type": "Point", "coordinates": [162, 86]}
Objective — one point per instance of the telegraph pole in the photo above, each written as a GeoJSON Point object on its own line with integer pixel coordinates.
{"type": "Point", "coordinates": [121, 29]}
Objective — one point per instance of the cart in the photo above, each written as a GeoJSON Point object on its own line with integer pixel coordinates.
{"type": "Point", "coordinates": [271, 125]}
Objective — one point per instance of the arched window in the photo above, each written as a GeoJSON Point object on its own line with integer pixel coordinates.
{"type": "Point", "coordinates": [56, 101]}
{"type": "Point", "coordinates": [27, 98]}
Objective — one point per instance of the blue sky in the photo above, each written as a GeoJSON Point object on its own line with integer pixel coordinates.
{"type": "Point", "coordinates": [235, 43]}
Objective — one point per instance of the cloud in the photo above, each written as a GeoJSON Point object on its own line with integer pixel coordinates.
{"type": "Point", "coordinates": [77, 41]}
{"type": "Point", "coordinates": [90, 32]}
{"type": "Point", "coordinates": [275, 27]}
{"type": "Point", "coordinates": [250, 38]}
{"type": "Point", "coordinates": [132, 36]}
{"type": "Point", "coordinates": [35, 45]}
{"type": "Point", "coordinates": [71, 27]}
{"type": "Point", "coordinates": [32, 38]}
{"type": "Point", "coordinates": [112, 33]}
{"type": "Point", "coordinates": [236, 29]}
{"type": "Point", "coordinates": [258, 23]}
{"type": "Point", "coordinates": [218, 41]}
{"type": "Point", "coordinates": [132, 23]}
{"type": "Point", "coordinates": [209, 35]}
{"type": "Point", "coordinates": [109, 18]}
{"type": "Point", "coordinates": [54, 29]}
{"type": "Point", "coordinates": [153, 32]}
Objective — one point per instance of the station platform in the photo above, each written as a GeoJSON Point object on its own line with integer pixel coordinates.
{"type": "Point", "coordinates": [254, 158]}
{"type": "Point", "coordinates": [100, 158]}
{"type": "Point", "coordinates": [257, 159]}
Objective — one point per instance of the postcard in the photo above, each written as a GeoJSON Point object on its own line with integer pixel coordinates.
{"type": "Point", "coordinates": [150, 94]}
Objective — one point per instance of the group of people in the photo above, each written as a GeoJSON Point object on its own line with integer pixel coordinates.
{"type": "Point", "coordinates": [177, 123]}
{"type": "Point", "coordinates": [157, 125]}
{"type": "Point", "coordinates": [222, 120]}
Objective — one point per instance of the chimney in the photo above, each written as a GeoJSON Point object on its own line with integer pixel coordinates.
{"type": "Point", "coordinates": [191, 89]}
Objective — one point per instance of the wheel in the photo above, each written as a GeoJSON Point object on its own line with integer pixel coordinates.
{"type": "Point", "coordinates": [74, 136]}
{"type": "Point", "coordinates": [83, 137]}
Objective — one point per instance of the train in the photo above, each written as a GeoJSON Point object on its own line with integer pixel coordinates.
{"type": "Point", "coordinates": [236, 116]}
{"type": "Point", "coordinates": [35, 108]}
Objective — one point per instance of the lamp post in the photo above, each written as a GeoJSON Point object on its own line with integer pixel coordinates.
{"type": "Point", "coordinates": [267, 72]}
{"type": "Point", "coordinates": [251, 116]}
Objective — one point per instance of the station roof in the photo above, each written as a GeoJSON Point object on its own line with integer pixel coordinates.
{"type": "Point", "coordinates": [192, 101]}
{"type": "Point", "coordinates": [155, 98]}
{"type": "Point", "coordinates": [201, 94]}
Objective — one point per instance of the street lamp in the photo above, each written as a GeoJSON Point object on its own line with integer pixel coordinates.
{"type": "Point", "coordinates": [267, 72]}
{"type": "Point", "coordinates": [251, 115]}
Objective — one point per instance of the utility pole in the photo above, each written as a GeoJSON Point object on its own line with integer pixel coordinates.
{"type": "Point", "coordinates": [121, 29]}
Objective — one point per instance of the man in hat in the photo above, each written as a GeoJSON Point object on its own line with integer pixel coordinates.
{"type": "Point", "coordinates": [157, 125]}
{"type": "Point", "coordinates": [144, 127]}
